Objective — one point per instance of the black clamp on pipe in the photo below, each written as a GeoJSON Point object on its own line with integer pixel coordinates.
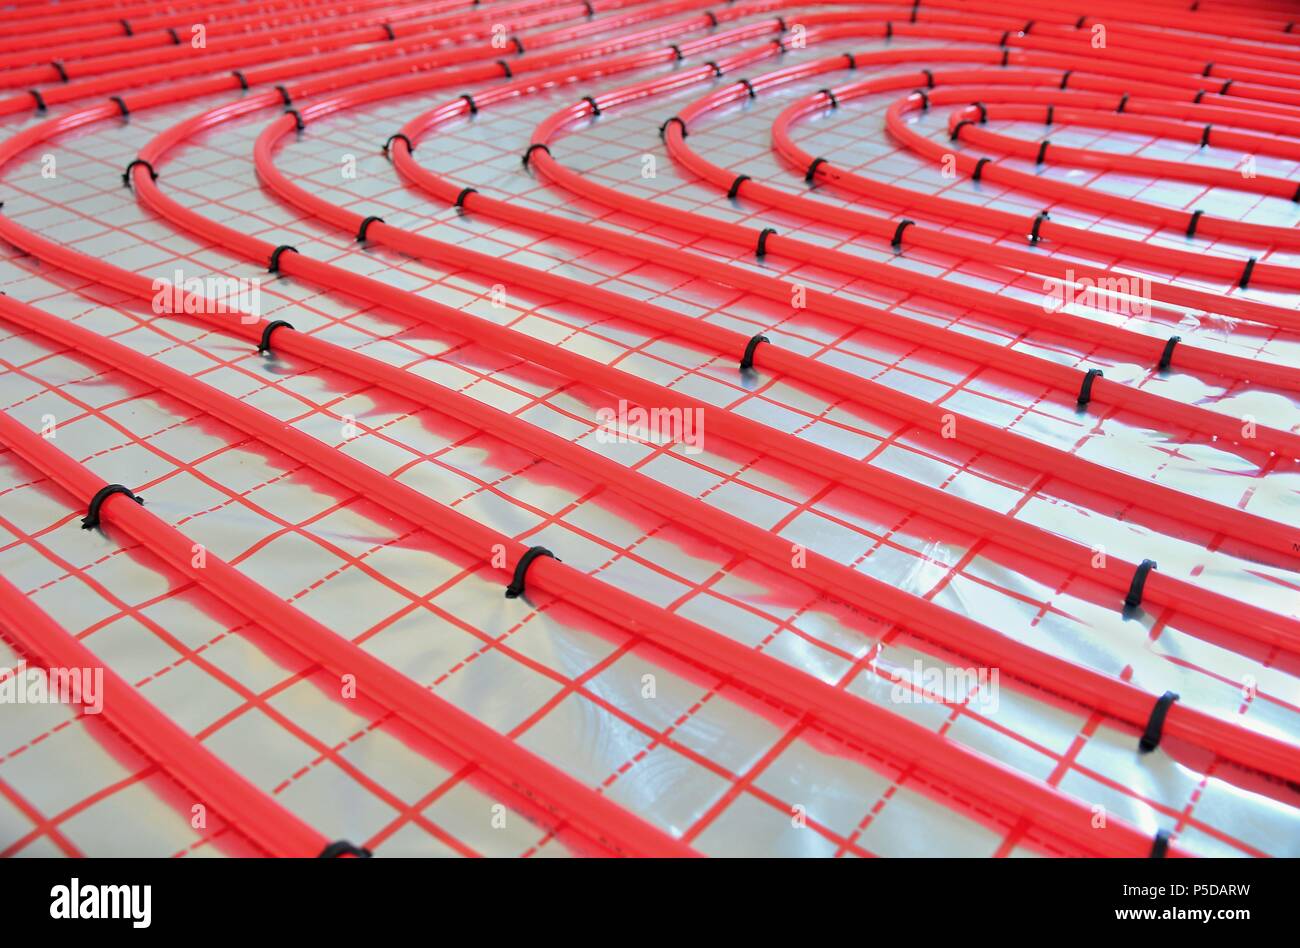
{"type": "Point", "coordinates": [713, 18]}
{"type": "Point", "coordinates": [677, 52]}
{"type": "Point", "coordinates": [984, 112]}
{"type": "Point", "coordinates": [505, 68]}
{"type": "Point", "coordinates": [40, 103]}
{"type": "Point", "coordinates": [595, 109]}
{"type": "Point", "coordinates": [1038, 224]}
{"type": "Point", "coordinates": [284, 94]}
{"type": "Point", "coordinates": [591, 11]}
{"type": "Point", "coordinates": [343, 848]}
{"type": "Point", "coordinates": [835, 103]}
{"type": "Point", "coordinates": [1160, 845]}
{"type": "Point", "coordinates": [516, 587]}
{"type": "Point", "coordinates": [1191, 224]}
{"type": "Point", "coordinates": [749, 87]}
{"type": "Point", "coordinates": [1134, 597]}
{"type": "Point", "coordinates": [388, 28]}
{"type": "Point", "coordinates": [126, 28]}
{"type": "Point", "coordinates": [243, 82]}
{"type": "Point", "coordinates": [897, 242]}
{"type": "Point", "coordinates": [664, 127]}
{"type": "Point", "coordinates": [1006, 57]}
{"type": "Point", "coordinates": [1245, 274]}
{"type": "Point", "coordinates": [532, 148]}
{"type": "Point", "coordinates": [889, 30]}
{"type": "Point", "coordinates": [811, 173]}
{"type": "Point", "coordinates": [1200, 94]}
{"type": "Point", "coordinates": [265, 344]}
{"type": "Point", "coordinates": [1085, 390]}
{"type": "Point", "coordinates": [1050, 116]}
{"type": "Point", "coordinates": [1168, 354]}
{"type": "Point", "coordinates": [460, 198]}
{"type": "Point", "coordinates": [979, 168]}
{"type": "Point", "coordinates": [1042, 151]}
{"type": "Point", "coordinates": [1227, 85]}
{"type": "Point", "coordinates": [1123, 103]}
{"type": "Point", "coordinates": [717, 70]}
{"type": "Point", "coordinates": [1150, 739]}
{"type": "Point", "coordinates": [473, 108]}
{"type": "Point", "coordinates": [956, 129]}
{"type": "Point", "coordinates": [1295, 198]}
{"type": "Point", "coordinates": [275, 257]}
{"type": "Point", "coordinates": [761, 250]}
{"type": "Point", "coordinates": [126, 175]}
{"type": "Point", "coordinates": [176, 37]}
{"type": "Point", "coordinates": [779, 45]}
{"type": "Point", "coordinates": [519, 45]}
{"type": "Point", "coordinates": [925, 99]}
{"type": "Point", "coordinates": [298, 124]}
{"type": "Point", "coordinates": [63, 73]}
{"type": "Point", "coordinates": [91, 520]}
{"type": "Point", "coordinates": [1065, 77]}
{"type": "Point", "coordinates": [852, 61]}
{"type": "Point", "coordinates": [735, 186]}
{"type": "Point", "coordinates": [929, 78]}
{"type": "Point", "coordinates": [121, 105]}
{"type": "Point", "coordinates": [1205, 136]}
{"type": "Point", "coordinates": [365, 226]}
{"type": "Point", "coordinates": [916, 4]}
{"type": "Point", "coordinates": [747, 359]}
{"type": "Point", "coordinates": [393, 138]}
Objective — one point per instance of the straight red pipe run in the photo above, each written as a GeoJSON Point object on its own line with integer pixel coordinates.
{"type": "Point", "coordinates": [252, 813]}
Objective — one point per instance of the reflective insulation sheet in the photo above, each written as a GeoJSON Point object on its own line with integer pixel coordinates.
{"type": "Point", "coordinates": [839, 522]}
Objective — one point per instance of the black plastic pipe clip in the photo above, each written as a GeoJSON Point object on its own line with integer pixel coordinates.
{"type": "Point", "coordinates": [747, 359]}
{"type": "Point", "coordinates": [1150, 739]}
{"type": "Point", "coordinates": [1134, 597]}
{"type": "Point", "coordinates": [516, 587]}
{"type": "Point", "coordinates": [91, 520]}
{"type": "Point", "coordinates": [1168, 354]}
{"type": "Point", "coordinates": [897, 241]}
{"type": "Point", "coordinates": [532, 148]}
{"type": "Point", "coordinates": [265, 344]}
{"type": "Point", "coordinates": [392, 138]}
{"type": "Point", "coordinates": [365, 226]}
{"type": "Point", "coordinates": [126, 175]}
{"type": "Point", "coordinates": [1085, 390]}
{"type": "Point", "coordinates": [1034, 233]}
{"type": "Point", "coordinates": [274, 266]}
{"type": "Point", "coordinates": [343, 848]}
